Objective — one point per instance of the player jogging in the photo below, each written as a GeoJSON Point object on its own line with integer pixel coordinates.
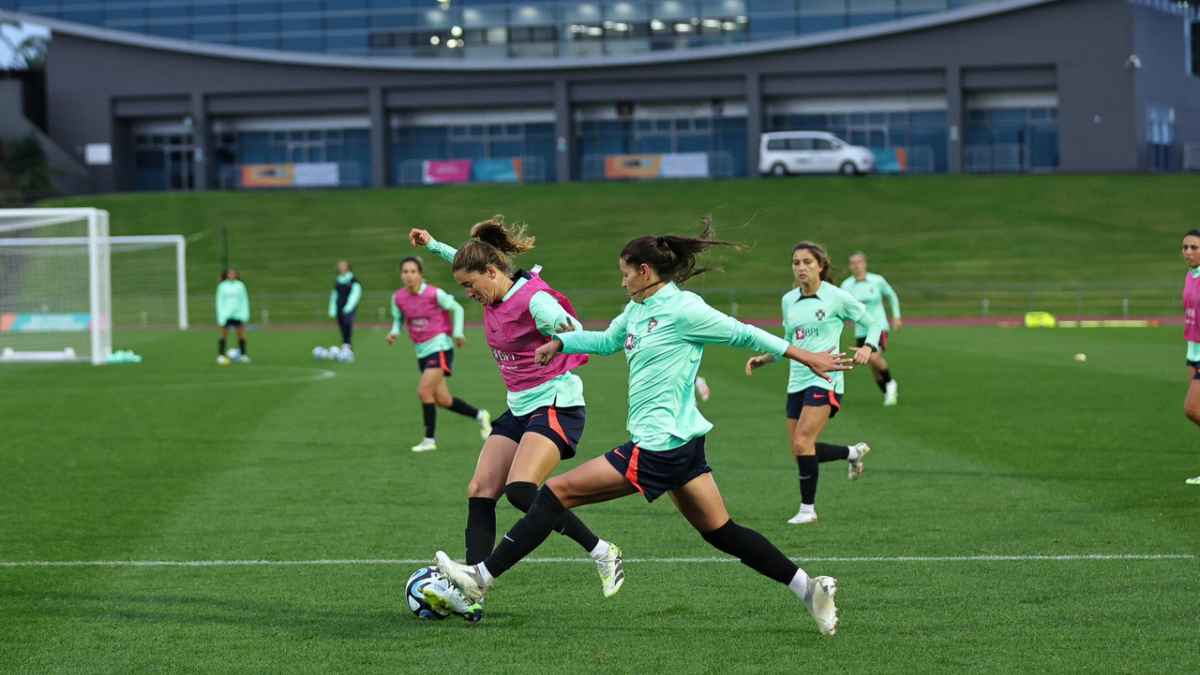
{"type": "Point", "coordinates": [343, 303]}
{"type": "Point", "coordinates": [1191, 331]}
{"type": "Point", "coordinates": [814, 314]}
{"type": "Point", "coordinates": [428, 312]}
{"type": "Point", "coordinates": [663, 331]}
{"type": "Point", "coordinates": [233, 311]}
{"type": "Point", "coordinates": [871, 289]}
{"type": "Point", "coordinates": [546, 411]}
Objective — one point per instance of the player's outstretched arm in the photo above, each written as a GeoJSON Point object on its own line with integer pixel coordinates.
{"type": "Point", "coordinates": [421, 238]}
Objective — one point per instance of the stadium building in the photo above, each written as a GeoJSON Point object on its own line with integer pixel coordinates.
{"type": "Point", "coordinates": [216, 94]}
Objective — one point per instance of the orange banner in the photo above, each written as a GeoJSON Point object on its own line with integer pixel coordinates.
{"type": "Point", "coordinates": [632, 166]}
{"type": "Point", "coordinates": [268, 175]}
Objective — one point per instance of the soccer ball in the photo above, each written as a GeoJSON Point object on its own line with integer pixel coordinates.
{"type": "Point", "coordinates": [345, 356]}
{"type": "Point", "coordinates": [320, 353]}
{"type": "Point", "coordinates": [233, 354]}
{"type": "Point", "coordinates": [415, 598]}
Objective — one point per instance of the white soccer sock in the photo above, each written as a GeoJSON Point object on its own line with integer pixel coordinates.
{"type": "Point", "coordinates": [479, 414]}
{"type": "Point", "coordinates": [600, 551]}
{"type": "Point", "coordinates": [484, 575]}
{"type": "Point", "coordinates": [853, 453]}
{"type": "Point", "coordinates": [799, 584]}
{"type": "Point", "coordinates": [430, 440]}
{"type": "Point", "coordinates": [807, 508]}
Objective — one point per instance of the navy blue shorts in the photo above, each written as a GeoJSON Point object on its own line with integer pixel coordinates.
{"type": "Point", "coordinates": [564, 426]}
{"type": "Point", "coordinates": [883, 340]}
{"type": "Point", "coordinates": [443, 360]}
{"type": "Point", "coordinates": [813, 396]}
{"type": "Point", "coordinates": [1195, 369]}
{"type": "Point", "coordinates": [234, 323]}
{"type": "Point", "coordinates": [654, 473]}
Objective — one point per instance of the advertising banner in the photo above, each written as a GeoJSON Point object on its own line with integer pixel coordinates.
{"type": "Point", "coordinates": [441, 171]}
{"type": "Point", "coordinates": [308, 174]}
{"type": "Point", "coordinates": [632, 166]}
{"type": "Point", "coordinates": [44, 323]}
{"type": "Point", "coordinates": [316, 174]}
{"type": "Point", "coordinates": [496, 171]}
{"type": "Point", "coordinates": [685, 165]}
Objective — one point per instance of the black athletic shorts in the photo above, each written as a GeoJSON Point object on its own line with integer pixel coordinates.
{"type": "Point", "coordinates": [1195, 369]}
{"type": "Point", "coordinates": [234, 323]}
{"type": "Point", "coordinates": [813, 396]}
{"type": "Point", "coordinates": [883, 340]}
{"type": "Point", "coordinates": [654, 473]}
{"type": "Point", "coordinates": [443, 360]}
{"type": "Point", "coordinates": [564, 426]}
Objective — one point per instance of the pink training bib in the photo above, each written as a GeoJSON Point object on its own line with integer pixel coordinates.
{"type": "Point", "coordinates": [423, 316]}
{"type": "Point", "coordinates": [513, 336]}
{"type": "Point", "coordinates": [1191, 308]}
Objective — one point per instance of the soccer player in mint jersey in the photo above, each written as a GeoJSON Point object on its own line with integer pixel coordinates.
{"type": "Point", "coordinates": [233, 311]}
{"type": "Point", "coordinates": [814, 314]}
{"type": "Point", "coordinates": [434, 320]}
{"type": "Point", "coordinates": [1191, 331]}
{"type": "Point", "coordinates": [663, 331]}
{"type": "Point", "coordinates": [546, 409]}
{"type": "Point", "coordinates": [871, 290]}
{"type": "Point", "coordinates": [343, 302]}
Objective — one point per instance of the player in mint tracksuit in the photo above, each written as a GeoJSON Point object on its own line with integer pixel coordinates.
{"type": "Point", "coordinates": [814, 314]}
{"type": "Point", "coordinates": [435, 324]}
{"type": "Point", "coordinates": [546, 411]}
{"type": "Point", "coordinates": [663, 332]}
{"type": "Point", "coordinates": [233, 311]}
{"type": "Point", "coordinates": [343, 302]}
{"type": "Point", "coordinates": [1191, 331]}
{"type": "Point", "coordinates": [871, 290]}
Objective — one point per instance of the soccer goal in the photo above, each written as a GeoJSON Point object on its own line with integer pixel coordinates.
{"type": "Point", "coordinates": [65, 284]}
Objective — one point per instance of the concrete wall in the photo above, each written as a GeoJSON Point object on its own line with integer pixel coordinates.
{"type": "Point", "coordinates": [66, 173]}
{"type": "Point", "coordinates": [1077, 47]}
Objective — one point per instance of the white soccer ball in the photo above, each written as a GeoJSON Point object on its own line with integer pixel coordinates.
{"type": "Point", "coordinates": [345, 356]}
{"type": "Point", "coordinates": [234, 353]}
{"type": "Point", "coordinates": [320, 353]}
{"type": "Point", "coordinates": [415, 598]}
{"type": "Point", "coordinates": [1081, 358]}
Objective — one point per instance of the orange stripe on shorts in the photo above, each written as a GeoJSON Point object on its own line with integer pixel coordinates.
{"type": "Point", "coordinates": [631, 472]}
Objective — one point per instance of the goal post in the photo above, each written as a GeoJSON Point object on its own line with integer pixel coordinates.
{"type": "Point", "coordinates": [65, 284]}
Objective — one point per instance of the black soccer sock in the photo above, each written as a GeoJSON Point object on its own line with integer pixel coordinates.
{"type": "Point", "coordinates": [521, 495]}
{"type": "Point", "coordinates": [527, 534]}
{"type": "Point", "coordinates": [221, 347]}
{"type": "Point", "coordinates": [828, 452]}
{"type": "Point", "coordinates": [346, 324]}
{"type": "Point", "coordinates": [810, 470]}
{"type": "Point", "coordinates": [481, 528]}
{"type": "Point", "coordinates": [463, 408]}
{"type": "Point", "coordinates": [753, 549]}
{"type": "Point", "coordinates": [242, 346]}
{"type": "Point", "coordinates": [429, 412]}
{"type": "Point", "coordinates": [882, 378]}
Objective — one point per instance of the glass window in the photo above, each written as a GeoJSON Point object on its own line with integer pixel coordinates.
{"type": "Point", "coordinates": [800, 144]}
{"type": "Point", "coordinates": [777, 144]}
{"type": "Point", "coordinates": [822, 144]}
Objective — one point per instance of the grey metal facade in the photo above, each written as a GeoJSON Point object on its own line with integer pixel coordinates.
{"type": "Point", "coordinates": [102, 83]}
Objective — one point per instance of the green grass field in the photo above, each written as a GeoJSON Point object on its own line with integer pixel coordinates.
{"type": "Point", "coordinates": [1002, 446]}
{"type": "Point", "coordinates": [1067, 244]}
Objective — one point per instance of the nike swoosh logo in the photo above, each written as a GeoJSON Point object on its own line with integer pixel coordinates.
{"type": "Point", "coordinates": [801, 478]}
{"type": "Point", "coordinates": [507, 538]}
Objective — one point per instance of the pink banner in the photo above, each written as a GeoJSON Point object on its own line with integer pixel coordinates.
{"type": "Point", "coordinates": [447, 171]}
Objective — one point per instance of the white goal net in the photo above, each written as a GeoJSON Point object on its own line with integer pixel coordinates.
{"type": "Point", "coordinates": [65, 284]}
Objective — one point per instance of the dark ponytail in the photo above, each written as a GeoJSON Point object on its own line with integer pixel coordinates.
{"type": "Point", "coordinates": [492, 243]}
{"type": "Point", "coordinates": [1194, 232]}
{"type": "Point", "coordinates": [822, 257]}
{"type": "Point", "coordinates": [673, 257]}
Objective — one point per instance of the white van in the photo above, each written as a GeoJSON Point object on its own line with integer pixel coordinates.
{"type": "Point", "coordinates": [786, 152]}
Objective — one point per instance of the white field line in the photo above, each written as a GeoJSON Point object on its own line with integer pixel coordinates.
{"type": "Point", "coordinates": [1083, 557]}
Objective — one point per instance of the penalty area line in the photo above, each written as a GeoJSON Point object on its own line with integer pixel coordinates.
{"type": "Point", "coordinates": [1081, 557]}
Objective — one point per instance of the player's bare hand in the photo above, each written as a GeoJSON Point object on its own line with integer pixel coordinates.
{"type": "Point", "coordinates": [821, 363]}
{"type": "Point", "coordinates": [755, 362]}
{"type": "Point", "coordinates": [547, 351]}
{"type": "Point", "coordinates": [418, 237]}
{"type": "Point", "coordinates": [565, 327]}
{"type": "Point", "coordinates": [391, 339]}
{"type": "Point", "coordinates": [459, 342]}
{"type": "Point", "coordinates": [862, 355]}
{"type": "Point", "coordinates": [897, 324]}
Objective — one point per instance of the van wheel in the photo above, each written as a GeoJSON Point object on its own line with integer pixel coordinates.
{"type": "Point", "coordinates": [848, 169]}
{"type": "Point", "coordinates": [778, 169]}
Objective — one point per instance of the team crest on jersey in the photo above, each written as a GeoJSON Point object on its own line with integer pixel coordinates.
{"type": "Point", "coordinates": [630, 341]}
{"type": "Point", "coordinates": [820, 315]}
{"type": "Point", "coordinates": [653, 323]}
{"type": "Point", "coordinates": [799, 333]}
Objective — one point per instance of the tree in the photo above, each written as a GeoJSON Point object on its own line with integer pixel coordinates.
{"type": "Point", "coordinates": [29, 53]}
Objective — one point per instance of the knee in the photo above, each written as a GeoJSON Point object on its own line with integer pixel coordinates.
{"type": "Point", "coordinates": [719, 537]}
{"type": "Point", "coordinates": [426, 394]}
{"type": "Point", "coordinates": [803, 445]}
{"type": "Point", "coordinates": [479, 488]}
{"type": "Point", "coordinates": [1192, 412]}
{"type": "Point", "coordinates": [444, 400]}
{"type": "Point", "coordinates": [521, 494]}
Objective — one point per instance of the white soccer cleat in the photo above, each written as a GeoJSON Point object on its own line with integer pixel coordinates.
{"type": "Point", "coordinates": [803, 517]}
{"type": "Point", "coordinates": [820, 604]}
{"type": "Point", "coordinates": [447, 599]}
{"type": "Point", "coordinates": [1193, 481]}
{"type": "Point", "coordinates": [890, 393]}
{"type": "Point", "coordinates": [611, 569]}
{"type": "Point", "coordinates": [222, 360]}
{"type": "Point", "coordinates": [465, 578]}
{"type": "Point", "coordinates": [485, 424]}
{"type": "Point", "coordinates": [702, 389]}
{"type": "Point", "coordinates": [856, 468]}
{"type": "Point", "coordinates": [425, 446]}
{"type": "Point", "coordinates": [243, 359]}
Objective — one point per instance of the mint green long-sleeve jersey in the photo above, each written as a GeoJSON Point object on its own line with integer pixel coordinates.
{"type": "Point", "coordinates": [871, 292]}
{"type": "Point", "coordinates": [663, 339]}
{"type": "Point", "coordinates": [233, 302]}
{"type": "Point", "coordinates": [814, 323]}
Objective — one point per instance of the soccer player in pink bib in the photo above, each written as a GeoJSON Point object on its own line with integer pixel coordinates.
{"type": "Point", "coordinates": [428, 311]}
{"type": "Point", "coordinates": [1191, 330]}
{"type": "Point", "coordinates": [546, 410]}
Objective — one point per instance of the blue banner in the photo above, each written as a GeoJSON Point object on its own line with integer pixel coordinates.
{"type": "Point", "coordinates": [496, 171]}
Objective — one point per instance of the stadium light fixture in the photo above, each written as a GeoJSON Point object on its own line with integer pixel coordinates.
{"type": "Point", "coordinates": [435, 40]}
{"type": "Point", "coordinates": [657, 25]}
{"type": "Point", "coordinates": [456, 31]}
